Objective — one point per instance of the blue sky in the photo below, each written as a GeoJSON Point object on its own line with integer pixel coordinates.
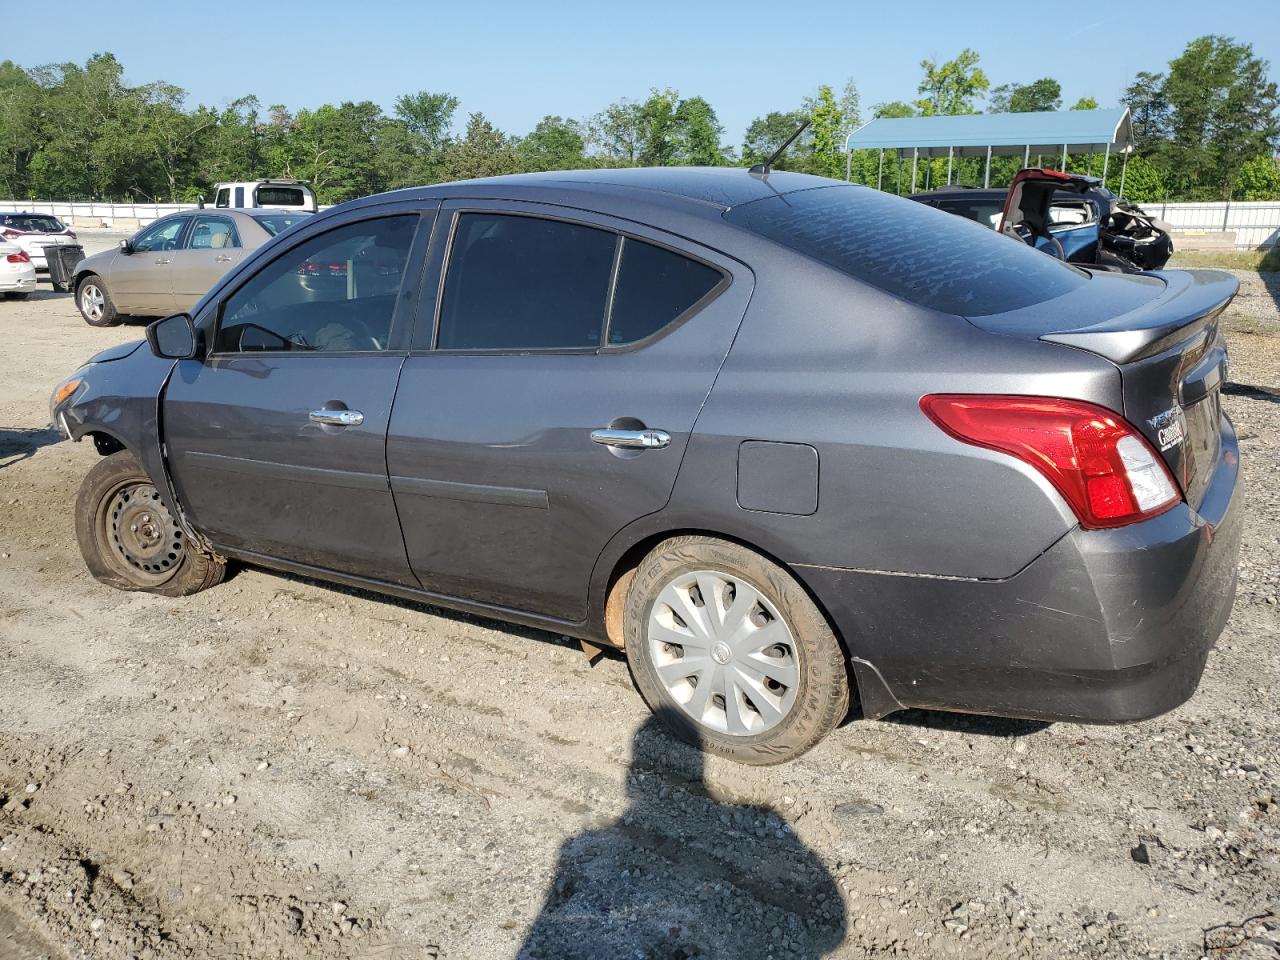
{"type": "Point", "coordinates": [519, 61]}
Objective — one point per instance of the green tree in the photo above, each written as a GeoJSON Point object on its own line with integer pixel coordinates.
{"type": "Point", "coordinates": [951, 87]}
{"type": "Point", "coordinates": [428, 116]}
{"type": "Point", "coordinates": [893, 109]}
{"type": "Point", "coordinates": [333, 148]}
{"type": "Point", "coordinates": [554, 144]}
{"type": "Point", "coordinates": [1144, 181]}
{"type": "Point", "coordinates": [826, 158]}
{"type": "Point", "coordinates": [766, 134]}
{"type": "Point", "coordinates": [1259, 180]}
{"type": "Point", "coordinates": [659, 129]}
{"type": "Point", "coordinates": [1222, 114]}
{"type": "Point", "coordinates": [698, 133]}
{"type": "Point", "coordinates": [1039, 95]}
{"type": "Point", "coordinates": [1085, 103]}
{"type": "Point", "coordinates": [483, 151]}
{"type": "Point", "coordinates": [615, 132]}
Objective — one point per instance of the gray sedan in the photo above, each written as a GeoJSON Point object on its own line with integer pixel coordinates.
{"type": "Point", "coordinates": [170, 264]}
{"type": "Point", "coordinates": [782, 440]}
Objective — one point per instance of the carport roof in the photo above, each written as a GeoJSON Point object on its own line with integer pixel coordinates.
{"type": "Point", "coordinates": [1082, 131]}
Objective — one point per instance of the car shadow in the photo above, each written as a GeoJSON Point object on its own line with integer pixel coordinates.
{"type": "Point", "coordinates": [1251, 392]}
{"type": "Point", "coordinates": [685, 872]}
{"type": "Point", "coordinates": [21, 443]}
{"type": "Point", "coordinates": [971, 723]}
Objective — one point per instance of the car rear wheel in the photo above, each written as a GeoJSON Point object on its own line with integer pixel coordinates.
{"type": "Point", "coordinates": [95, 302]}
{"type": "Point", "coordinates": [729, 649]}
{"type": "Point", "coordinates": [129, 539]}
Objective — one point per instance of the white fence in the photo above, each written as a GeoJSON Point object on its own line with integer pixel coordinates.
{"type": "Point", "coordinates": [1254, 224]}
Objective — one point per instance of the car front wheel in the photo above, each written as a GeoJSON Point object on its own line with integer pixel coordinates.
{"type": "Point", "coordinates": [129, 539]}
{"type": "Point", "coordinates": [95, 303]}
{"type": "Point", "coordinates": [730, 650]}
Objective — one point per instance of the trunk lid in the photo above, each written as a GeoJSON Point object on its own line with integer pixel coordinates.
{"type": "Point", "coordinates": [1162, 333]}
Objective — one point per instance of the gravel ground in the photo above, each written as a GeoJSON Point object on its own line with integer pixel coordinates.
{"type": "Point", "coordinates": [278, 768]}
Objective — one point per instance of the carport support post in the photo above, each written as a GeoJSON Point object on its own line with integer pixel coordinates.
{"type": "Point", "coordinates": [1106, 158]}
{"type": "Point", "coordinates": [950, 151]}
{"type": "Point", "coordinates": [1064, 158]}
{"type": "Point", "coordinates": [1124, 165]}
{"type": "Point", "coordinates": [986, 176]}
{"type": "Point", "coordinates": [848, 163]}
{"type": "Point", "coordinates": [915, 161]}
{"type": "Point", "coordinates": [1026, 156]}
{"type": "Point", "coordinates": [880, 172]}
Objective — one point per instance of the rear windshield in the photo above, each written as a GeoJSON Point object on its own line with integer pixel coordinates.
{"type": "Point", "coordinates": [912, 251]}
{"type": "Point", "coordinates": [32, 223]}
{"type": "Point", "coordinates": [280, 197]}
{"type": "Point", "coordinates": [275, 222]}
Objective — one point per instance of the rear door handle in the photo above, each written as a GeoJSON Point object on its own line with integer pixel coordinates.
{"type": "Point", "coordinates": [632, 439]}
{"type": "Point", "coordinates": [338, 418]}
{"type": "Point", "coordinates": [162, 260]}
{"type": "Point", "coordinates": [223, 258]}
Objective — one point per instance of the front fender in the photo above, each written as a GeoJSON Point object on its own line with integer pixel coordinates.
{"type": "Point", "coordinates": [121, 399]}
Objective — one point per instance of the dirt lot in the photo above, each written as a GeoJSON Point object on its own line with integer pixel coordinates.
{"type": "Point", "coordinates": [277, 768]}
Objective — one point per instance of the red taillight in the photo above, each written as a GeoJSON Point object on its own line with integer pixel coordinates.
{"type": "Point", "coordinates": [20, 257]}
{"type": "Point", "coordinates": [1103, 467]}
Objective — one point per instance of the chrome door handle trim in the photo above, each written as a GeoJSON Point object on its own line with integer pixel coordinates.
{"type": "Point", "coordinates": [338, 418]}
{"type": "Point", "coordinates": [162, 260]}
{"type": "Point", "coordinates": [222, 259]}
{"type": "Point", "coordinates": [632, 439]}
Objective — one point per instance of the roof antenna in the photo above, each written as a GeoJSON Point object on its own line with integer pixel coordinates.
{"type": "Point", "coordinates": [762, 169]}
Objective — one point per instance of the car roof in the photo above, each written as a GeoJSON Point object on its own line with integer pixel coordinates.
{"type": "Point", "coordinates": [721, 188]}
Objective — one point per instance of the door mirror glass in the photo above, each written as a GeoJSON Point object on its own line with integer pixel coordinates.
{"type": "Point", "coordinates": [126, 246]}
{"type": "Point", "coordinates": [173, 338]}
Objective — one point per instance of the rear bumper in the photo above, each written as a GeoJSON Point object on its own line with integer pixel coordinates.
{"type": "Point", "coordinates": [1107, 626]}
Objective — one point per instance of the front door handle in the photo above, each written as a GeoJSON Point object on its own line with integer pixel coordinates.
{"type": "Point", "coordinates": [223, 258]}
{"type": "Point", "coordinates": [632, 439]}
{"type": "Point", "coordinates": [163, 260]}
{"type": "Point", "coordinates": [338, 418]}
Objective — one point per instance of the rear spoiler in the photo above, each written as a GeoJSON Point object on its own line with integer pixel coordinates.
{"type": "Point", "coordinates": [1192, 300]}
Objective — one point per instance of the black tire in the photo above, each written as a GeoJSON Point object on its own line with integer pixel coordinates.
{"type": "Point", "coordinates": [118, 496]}
{"type": "Point", "coordinates": [821, 697]}
{"type": "Point", "coordinates": [109, 316]}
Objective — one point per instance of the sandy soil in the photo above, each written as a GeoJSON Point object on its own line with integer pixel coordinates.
{"type": "Point", "coordinates": [278, 768]}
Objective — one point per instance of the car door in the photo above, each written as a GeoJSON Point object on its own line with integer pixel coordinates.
{"type": "Point", "coordinates": [140, 281]}
{"type": "Point", "coordinates": [550, 403]}
{"type": "Point", "coordinates": [211, 248]}
{"type": "Point", "coordinates": [276, 438]}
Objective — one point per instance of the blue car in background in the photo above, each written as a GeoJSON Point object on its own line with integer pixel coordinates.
{"type": "Point", "coordinates": [1071, 217]}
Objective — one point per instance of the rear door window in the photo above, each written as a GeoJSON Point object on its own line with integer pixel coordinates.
{"type": "Point", "coordinates": [525, 283]}
{"type": "Point", "coordinates": [923, 256]}
{"type": "Point", "coordinates": [213, 233]}
{"type": "Point", "coordinates": [334, 292]}
{"type": "Point", "coordinates": [655, 288]}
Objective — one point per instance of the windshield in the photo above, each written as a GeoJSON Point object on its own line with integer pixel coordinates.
{"type": "Point", "coordinates": [32, 223]}
{"type": "Point", "coordinates": [910, 250]}
{"type": "Point", "coordinates": [276, 222]}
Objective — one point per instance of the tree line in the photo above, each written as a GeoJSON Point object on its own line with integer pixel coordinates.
{"type": "Point", "coordinates": [1207, 128]}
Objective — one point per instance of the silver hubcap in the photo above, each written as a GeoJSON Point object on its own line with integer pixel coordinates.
{"type": "Point", "coordinates": [723, 653]}
{"type": "Point", "coordinates": [92, 302]}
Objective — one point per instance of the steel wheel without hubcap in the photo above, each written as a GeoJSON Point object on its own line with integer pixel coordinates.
{"type": "Point", "coordinates": [723, 653]}
{"type": "Point", "coordinates": [140, 534]}
{"type": "Point", "coordinates": [93, 303]}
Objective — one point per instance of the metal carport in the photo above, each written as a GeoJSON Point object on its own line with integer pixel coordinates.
{"type": "Point", "coordinates": [995, 134]}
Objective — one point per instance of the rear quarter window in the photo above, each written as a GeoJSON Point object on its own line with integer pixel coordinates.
{"type": "Point", "coordinates": [919, 254]}
{"type": "Point", "coordinates": [280, 197]}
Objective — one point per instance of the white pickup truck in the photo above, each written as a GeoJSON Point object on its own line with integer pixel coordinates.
{"type": "Point", "coordinates": [282, 194]}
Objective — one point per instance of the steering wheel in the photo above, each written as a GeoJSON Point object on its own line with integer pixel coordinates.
{"type": "Point", "coordinates": [1027, 233]}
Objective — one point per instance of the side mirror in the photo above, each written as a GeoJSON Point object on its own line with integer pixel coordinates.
{"type": "Point", "coordinates": [126, 246]}
{"type": "Point", "coordinates": [174, 338]}
{"type": "Point", "coordinates": [200, 203]}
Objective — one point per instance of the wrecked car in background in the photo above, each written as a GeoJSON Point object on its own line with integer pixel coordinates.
{"type": "Point", "coordinates": [1068, 216]}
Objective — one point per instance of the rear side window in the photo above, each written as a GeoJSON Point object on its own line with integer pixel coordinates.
{"type": "Point", "coordinates": [213, 233]}
{"type": "Point", "coordinates": [274, 223]}
{"type": "Point", "coordinates": [523, 283]}
{"type": "Point", "coordinates": [334, 292]}
{"type": "Point", "coordinates": [223, 198]}
{"type": "Point", "coordinates": [655, 286]}
{"type": "Point", "coordinates": [280, 197]}
{"type": "Point", "coordinates": [906, 249]}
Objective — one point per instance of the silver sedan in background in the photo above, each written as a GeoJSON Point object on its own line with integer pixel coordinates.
{"type": "Point", "coordinates": [167, 266]}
